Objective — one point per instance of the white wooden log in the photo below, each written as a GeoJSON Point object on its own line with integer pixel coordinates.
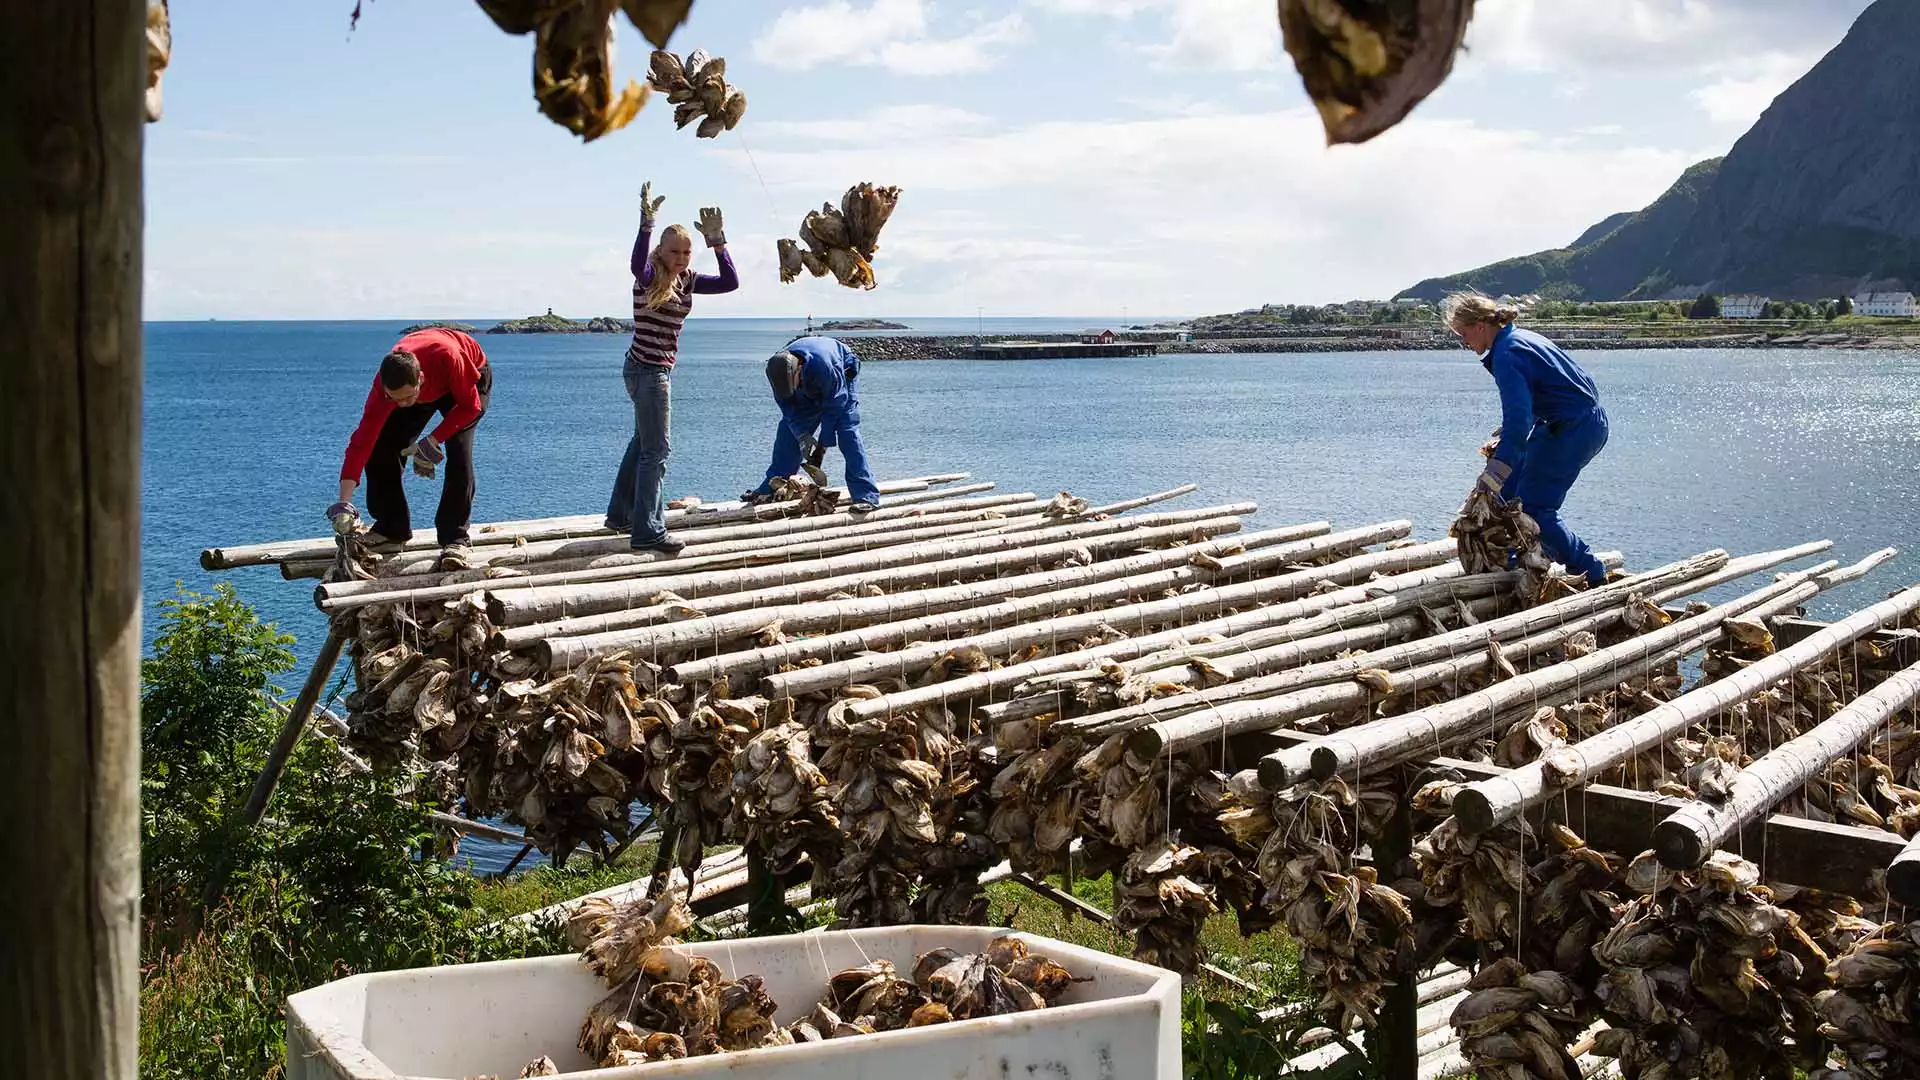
{"type": "Point", "coordinates": [1341, 624]}
{"type": "Point", "coordinates": [1541, 628]}
{"type": "Point", "coordinates": [1474, 637]}
{"type": "Point", "coordinates": [890, 565]}
{"type": "Point", "coordinates": [1691, 833]}
{"type": "Point", "coordinates": [1080, 621]}
{"type": "Point", "coordinates": [772, 533]}
{"type": "Point", "coordinates": [1207, 603]}
{"type": "Point", "coordinates": [413, 563]}
{"type": "Point", "coordinates": [725, 540]}
{"type": "Point", "coordinates": [499, 532]}
{"type": "Point", "coordinates": [578, 552]}
{"type": "Point", "coordinates": [1397, 737]}
{"type": "Point", "coordinates": [1013, 675]}
{"type": "Point", "coordinates": [891, 570]}
{"type": "Point", "coordinates": [714, 632]}
{"type": "Point", "coordinates": [1490, 802]}
{"type": "Point", "coordinates": [1197, 728]}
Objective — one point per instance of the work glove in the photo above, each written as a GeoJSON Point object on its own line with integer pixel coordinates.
{"type": "Point", "coordinates": [343, 516]}
{"type": "Point", "coordinates": [811, 450]}
{"type": "Point", "coordinates": [710, 226]}
{"type": "Point", "coordinates": [426, 454]}
{"type": "Point", "coordinates": [1494, 476]}
{"type": "Point", "coordinates": [649, 204]}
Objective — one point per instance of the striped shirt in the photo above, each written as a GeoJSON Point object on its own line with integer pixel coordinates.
{"type": "Point", "coordinates": [656, 331]}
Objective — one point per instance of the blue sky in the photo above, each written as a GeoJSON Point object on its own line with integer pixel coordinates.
{"type": "Point", "coordinates": [1056, 156]}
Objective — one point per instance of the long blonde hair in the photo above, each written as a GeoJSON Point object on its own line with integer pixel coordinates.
{"type": "Point", "coordinates": [665, 285]}
{"type": "Point", "coordinates": [1476, 309]}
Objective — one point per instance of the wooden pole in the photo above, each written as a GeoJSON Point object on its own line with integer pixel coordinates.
{"type": "Point", "coordinates": [895, 564]}
{"type": "Point", "coordinates": [950, 604]}
{"type": "Point", "coordinates": [1097, 608]}
{"type": "Point", "coordinates": [890, 570]}
{"type": "Point", "coordinates": [294, 727]}
{"type": "Point", "coordinates": [1693, 832]}
{"type": "Point", "coordinates": [1398, 737]}
{"type": "Point", "coordinates": [1202, 604]}
{"type": "Point", "coordinates": [336, 596]}
{"type": "Point", "coordinates": [1488, 803]}
{"type": "Point", "coordinates": [72, 106]}
{"type": "Point", "coordinates": [510, 532]}
{"type": "Point", "coordinates": [987, 682]}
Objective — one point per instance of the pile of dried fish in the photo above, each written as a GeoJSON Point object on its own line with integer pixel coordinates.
{"type": "Point", "coordinates": [1706, 977]}
{"type": "Point", "coordinates": [690, 764]}
{"type": "Point", "coordinates": [698, 88]}
{"type": "Point", "coordinates": [944, 986]}
{"type": "Point", "coordinates": [1158, 900]}
{"type": "Point", "coordinates": [567, 756]}
{"type": "Point", "coordinates": [841, 241]}
{"type": "Point", "coordinates": [667, 1005]}
{"type": "Point", "coordinates": [355, 560]}
{"type": "Point", "coordinates": [421, 688]}
{"type": "Point", "coordinates": [1869, 1012]}
{"type": "Point", "coordinates": [894, 779]}
{"type": "Point", "coordinates": [781, 808]}
{"type": "Point", "coordinates": [159, 52]}
{"type": "Point", "coordinates": [1515, 1024]}
{"type": "Point", "coordinates": [808, 499]}
{"type": "Point", "coordinates": [1497, 535]}
{"type": "Point", "coordinates": [1355, 932]}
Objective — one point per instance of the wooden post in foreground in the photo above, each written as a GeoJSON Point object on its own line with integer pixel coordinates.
{"type": "Point", "coordinates": [71, 117]}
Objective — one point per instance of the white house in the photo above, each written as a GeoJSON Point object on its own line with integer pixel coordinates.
{"type": "Point", "coordinates": [1743, 306]}
{"type": "Point", "coordinates": [1898, 305]}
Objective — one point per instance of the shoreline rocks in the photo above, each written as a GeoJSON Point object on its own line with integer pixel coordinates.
{"type": "Point", "coordinates": [560, 324]}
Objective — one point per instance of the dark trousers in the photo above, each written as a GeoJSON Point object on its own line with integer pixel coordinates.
{"type": "Point", "coordinates": [1555, 455]}
{"type": "Point", "coordinates": [387, 500]}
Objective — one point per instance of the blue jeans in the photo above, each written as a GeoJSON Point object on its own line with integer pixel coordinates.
{"type": "Point", "coordinates": [1555, 455]}
{"type": "Point", "coordinates": [834, 429]}
{"type": "Point", "coordinates": [637, 502]}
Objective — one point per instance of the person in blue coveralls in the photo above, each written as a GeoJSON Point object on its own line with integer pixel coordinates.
{"type": "Point", "coordinates": [816, 381]}
{"type": "Point", "coordinates": [1551, 422]}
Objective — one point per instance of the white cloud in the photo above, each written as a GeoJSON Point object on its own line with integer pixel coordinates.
{"type": "Point", "coordinates": [1671, 36]}
{"type": "Point", "coordinates": [1741, 91]}
{"type": "Point", "coordinates": [893, 34]}
{"type": "Point", "coordinates": [1209, 212]}
{"type": "Point", "coordinates": [1227, 35]}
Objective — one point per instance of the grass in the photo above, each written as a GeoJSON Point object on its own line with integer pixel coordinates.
{"type": "Point", "coordinates": [543, 886]}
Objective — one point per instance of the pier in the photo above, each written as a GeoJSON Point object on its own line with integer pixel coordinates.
{"type": "Point", "coordinates": [1059, 350]}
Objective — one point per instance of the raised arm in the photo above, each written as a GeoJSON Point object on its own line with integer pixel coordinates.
{"type": "Point", "coordinates": [643, 243]}
{"type": "Point", "coordinates": [727, 280]}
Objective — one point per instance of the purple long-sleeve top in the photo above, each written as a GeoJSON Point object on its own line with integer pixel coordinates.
{"type": "Point", "coordinates": [656, 331]}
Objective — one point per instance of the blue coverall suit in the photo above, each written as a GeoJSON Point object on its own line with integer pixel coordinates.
{"type": "Point", "coordinates": [1551, 426]}
{"type": "Point", "coordinates": [828, 399]}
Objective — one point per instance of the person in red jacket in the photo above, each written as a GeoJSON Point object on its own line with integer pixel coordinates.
{"type": "Point", "coordinates": [427, 372]}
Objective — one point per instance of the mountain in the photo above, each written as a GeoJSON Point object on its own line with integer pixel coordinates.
{"type": "Point", "coordinates": [1821, 196]}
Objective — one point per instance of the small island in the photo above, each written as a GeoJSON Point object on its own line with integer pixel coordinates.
{"type": "Point", "coordinates": [465, 328]}
{"type": "Point", "coordinates": [560, 324]}
{"type": "Point", "coordinates": [861, 324]}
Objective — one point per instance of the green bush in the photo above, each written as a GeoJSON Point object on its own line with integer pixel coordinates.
{"type": "Point", "coordinates": [330, 885]}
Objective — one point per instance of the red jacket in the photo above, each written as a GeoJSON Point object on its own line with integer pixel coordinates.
{"type": "Point", "coordinates": [450, 364]}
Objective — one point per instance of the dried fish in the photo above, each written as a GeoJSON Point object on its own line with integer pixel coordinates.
{"type": "Point", "coordinates": [841, 240]}
{"type": "Point", "coordinates": [698, 87]}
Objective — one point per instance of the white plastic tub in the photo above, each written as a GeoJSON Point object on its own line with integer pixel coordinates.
{"type": "Point", "coordinates": [448, 1023]}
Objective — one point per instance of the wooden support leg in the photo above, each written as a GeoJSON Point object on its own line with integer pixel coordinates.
{"type": "Point", "coordinates": [1396, 1041]}
{"type": "Point", "coordinates": [295, 727]}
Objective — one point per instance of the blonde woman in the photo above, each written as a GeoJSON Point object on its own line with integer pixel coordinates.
{"type": "Point", "coordinates": [1551, 422]}
{"type": "Point", "coordinates": [664, 286]}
